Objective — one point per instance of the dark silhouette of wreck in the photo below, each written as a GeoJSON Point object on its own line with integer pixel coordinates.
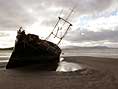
{"type": "Point", "coordinates": [30, 50]}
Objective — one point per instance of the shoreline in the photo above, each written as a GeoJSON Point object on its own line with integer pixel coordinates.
{"type": "Point", "coordinates": [99, 56]}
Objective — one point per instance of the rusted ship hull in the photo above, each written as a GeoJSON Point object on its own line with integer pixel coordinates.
{"type": "Point", "coordinates": [30, 50]}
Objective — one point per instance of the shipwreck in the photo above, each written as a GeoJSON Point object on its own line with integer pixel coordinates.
{"type": "Point", "coordinates": [31, 50]}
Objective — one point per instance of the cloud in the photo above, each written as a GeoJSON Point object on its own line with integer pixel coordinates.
{"type": "Point", "coordinates": [84, 6]}
{"type": "Point", "coordinates": [13, 14]}
{"type": "Point", "coordinates": [26, 13]}
{"type": "Point", "coordinates": [88, 36]}
{"type": "Point", "coordinates": [2, 34]}
{"type": "Point", "coordinates": [100, 23]}
{"type": "Point", "coordinates": [7, 38]}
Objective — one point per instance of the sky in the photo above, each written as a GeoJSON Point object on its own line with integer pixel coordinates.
{"type": "Point", "coordinates": [95, 22]}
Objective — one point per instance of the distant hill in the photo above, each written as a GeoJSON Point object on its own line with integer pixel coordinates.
{"type": "Point", "coordinates": [78, 47]}
{"type": "Point", "coordinates": [100, 47]}
{"type": "Point", "coordinates": [10, 48]}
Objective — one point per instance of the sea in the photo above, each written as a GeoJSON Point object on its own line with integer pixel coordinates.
{"type": "Point", "coordinates": [94, 52]}
{"type": "Point", "coordinates": [91, 51]}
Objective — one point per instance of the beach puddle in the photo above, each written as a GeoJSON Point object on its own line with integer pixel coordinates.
{"type": "Point", "coordinates": [65, 66]}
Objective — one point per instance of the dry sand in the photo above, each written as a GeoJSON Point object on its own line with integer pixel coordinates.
{"type": "Point", "coordinates": [99, 73]}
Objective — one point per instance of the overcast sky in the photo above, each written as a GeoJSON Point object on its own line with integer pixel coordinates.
{"type": "Point", "coordinates": [95, 22]}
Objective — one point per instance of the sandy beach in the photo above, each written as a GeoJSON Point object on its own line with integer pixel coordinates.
{"type": "Point", "coordinates": [99, 73]}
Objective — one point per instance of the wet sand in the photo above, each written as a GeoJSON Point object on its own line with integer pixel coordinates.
{"type": "Point", "coordinates": [97, 73]}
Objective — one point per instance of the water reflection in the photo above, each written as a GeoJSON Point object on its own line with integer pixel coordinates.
{"type": "Point", "coordinates": [65, 66]}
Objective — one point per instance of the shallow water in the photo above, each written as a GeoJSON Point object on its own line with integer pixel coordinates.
{"type": "Point", "coordinates": [94, 52]}
{"type": "Point", "coordinates": [68, 66]}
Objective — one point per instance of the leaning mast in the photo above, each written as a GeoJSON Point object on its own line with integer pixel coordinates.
{"type": "Point", "coordinates": [57, 28]}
